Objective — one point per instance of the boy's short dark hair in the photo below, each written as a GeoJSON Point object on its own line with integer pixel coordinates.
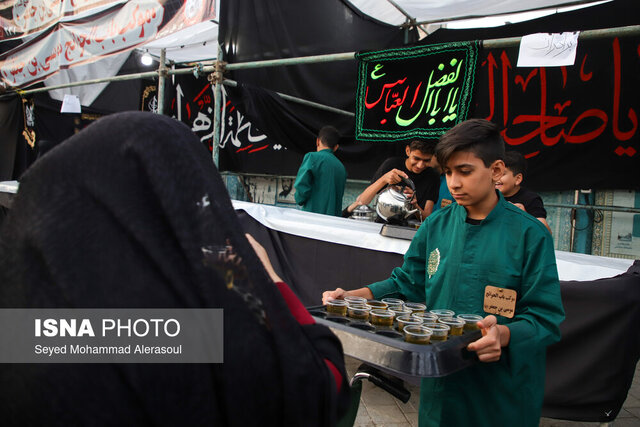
{"type": "Point", "coordinates": [427, 147]}
{"type": "Point", "coordinates": [515, 162]}
{"type": "Point", "coordinates": [329, 136]}
{"type": "Point", "coordinates": [479, 136]}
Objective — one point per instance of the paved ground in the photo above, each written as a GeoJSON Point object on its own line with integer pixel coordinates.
{"type": "Point", "coordinates": [378, 408]}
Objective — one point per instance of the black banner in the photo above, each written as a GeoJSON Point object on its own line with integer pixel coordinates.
{"type": "Point", "coordinates": [260, 111]}
{"type": "Point", "coordinates": [414, 92]}
{"type": "Point", "coordinates": [11, 124]}
{"type": "Point", "coordinates": [576, 125]}
{"type": "Point", "coordinates": [252, 30]}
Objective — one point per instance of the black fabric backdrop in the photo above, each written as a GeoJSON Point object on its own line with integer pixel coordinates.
{"type": "Point", "coordinates": [253, 30]}
{"type": "Point", "coordinates": [11, 122]}
{"type": "Point", "coordinates": [614, 155]}
{"type": "Point", "coordinates": [596, 162]}
{"type": "Point", "coordinates": [284, 127]}
{"type": "Point", "coordinates": [313, 266]}
{"type": "Point", "coordinates": [589, 371]}
{"type": "Point", "coordinates": [569, 122]}
{"type": "Point", "coordinates": [16, 155]}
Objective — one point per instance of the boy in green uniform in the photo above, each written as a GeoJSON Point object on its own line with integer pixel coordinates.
{"type": "Point", "coordinates": [321, 178]}
{"type": "Point", "coordinates": [482, 240]}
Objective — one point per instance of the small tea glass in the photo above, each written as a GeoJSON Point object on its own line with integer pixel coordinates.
{"type": "Point", "coordinates": [381, 317]}
{"type": "Point", "coordinates": [400, 312]}
{"type": "Point", "coordinates": [415, 307]}
{"type": "Point", "coordinates": [353, 300]}
{"type": "Point", "coordinates": [443, 313]}
{"type": "Point", "coordinates": [393, 303]}
{"type": "Point", "coordinates": [426, 317]}
{"type": "Point", "coordinates": [404, 321]}
{"type": "Point", "coordinates": [470, 321]}
{"type": "Point", "coordinates": [374, 304]}
{"type": "Point", "coordinates": [337, 306]}
{"type": "Point", "coordinates": [456, 325]}
{"type": "Point", "coordinates": [358, 312]}
{"type": "Point", "coordinates": [417, 334]}
{"type": "Point", "coordinates": [439, 331]}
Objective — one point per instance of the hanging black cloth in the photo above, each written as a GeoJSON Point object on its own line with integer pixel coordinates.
{"type": "Point", "coordinates": [125, 214]}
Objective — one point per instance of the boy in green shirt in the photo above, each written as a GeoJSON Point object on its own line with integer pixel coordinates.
{"type": "Point", "coordinates": [321, 178]}
{"type": "Point", "coordinates": [481, 240]}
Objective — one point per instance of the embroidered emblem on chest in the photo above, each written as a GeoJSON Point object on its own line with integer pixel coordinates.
{"type": "Point", "coordinates": [433, 262]}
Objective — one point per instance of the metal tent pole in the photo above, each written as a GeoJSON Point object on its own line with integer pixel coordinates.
{"type": "Point", "coordinates": [632, 30]}
{"type": "Point", "coordinates": [162, 73]}
{"type": "Point", "coordinates": [125, 77]}
{"type": "Point", "coordinates": [573, 221]}
{"type": "Point", "coordinates": [314, 59]}
{"type": "Point", "coordinates": [233, 83]}
{"type": "Point", "coordinates": [411, 21]}
{"type": "Point", "coordinates": [217, 106]}
{"type": "Point", "coordinates": [625, 209]}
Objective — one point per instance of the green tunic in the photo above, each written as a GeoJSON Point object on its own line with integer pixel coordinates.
{"type": "Point", "coordinates": [320, 183]}
{"type": "Point", "coordinates": [448, 265]}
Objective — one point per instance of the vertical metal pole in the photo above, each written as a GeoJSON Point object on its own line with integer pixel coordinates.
{"type": "Point", "coordinates": [162, 72]}
{"type": "Point", "coordinates": [583, 237]}
{"type": "Point", "coordinates": [406, 32]}
{"type": "Point", "coordinates": [573, 221]}
{"type": "Point", "coordinates": [217, 109]}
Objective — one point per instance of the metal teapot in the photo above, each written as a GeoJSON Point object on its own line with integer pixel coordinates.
{"type": "Point", "coordinates": [363, 213]}
{"type": "Point", "coordinates": [394, 205]}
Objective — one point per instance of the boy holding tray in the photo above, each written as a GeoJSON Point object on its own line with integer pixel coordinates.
{"type": "Point", "coordinates": [481, 241]}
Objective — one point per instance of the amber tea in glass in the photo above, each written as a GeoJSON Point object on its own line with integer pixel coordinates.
{"type": "Point", "coordinates": [417, 334]}
{"type": "Point", "coordinates": [439, 331]}
{"type": "Point", "coordinates": [456, 325]}
{"type": "Point", "coordinates": [404, 321]}
{"type": "Point", "coordinates": [358, 312]}
{"type": "Point", "coordinates": [381, 317]}
{"type": "Point", "coordinates": [337, 306]}
{"type": "Point", "coordinates": [470, 321]}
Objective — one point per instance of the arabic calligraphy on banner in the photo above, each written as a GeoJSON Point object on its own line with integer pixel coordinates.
{"type": "Point", "coordinates": [19, 18]}
{"type": "Point", "coordinates": [124, 28]}
{"type": "Point", "coordinates": [414, 92]}
{"type": "Point", "coordinates": [192, 103]}
{"type": "Point", "coordinates": [572, 120]}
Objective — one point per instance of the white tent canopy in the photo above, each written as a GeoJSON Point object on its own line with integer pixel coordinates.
{"type": "Point", "coordinates": [198, 42]}
{"type": "Point", "coordinates": [194, 44]}
{"type": "Point", "coordinates": [449, 10]}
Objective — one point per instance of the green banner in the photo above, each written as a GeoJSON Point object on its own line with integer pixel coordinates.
{"type": "Point", "coordinates": [417, 92]}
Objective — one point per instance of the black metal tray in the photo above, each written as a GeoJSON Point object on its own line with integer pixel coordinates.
{"type": "Point", "coordinates": [385, 348]}
{"type": "Point", "coordinates": [398, 231]}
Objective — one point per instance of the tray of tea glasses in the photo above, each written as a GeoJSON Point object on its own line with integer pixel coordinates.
{"type": "Point", "coordinates": [400, 337]}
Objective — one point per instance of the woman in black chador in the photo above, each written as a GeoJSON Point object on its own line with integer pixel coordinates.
{"type": "Point", "coordinates": [131, 213]}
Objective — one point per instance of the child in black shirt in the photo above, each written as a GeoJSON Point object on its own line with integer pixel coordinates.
{"type": "Point", "coordinates": [523, 198]}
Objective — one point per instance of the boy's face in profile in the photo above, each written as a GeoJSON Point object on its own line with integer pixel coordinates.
{"type": "Point", "coordinates": [509, 184]}
{"type": "Point", "coordinates": [471, 183]}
